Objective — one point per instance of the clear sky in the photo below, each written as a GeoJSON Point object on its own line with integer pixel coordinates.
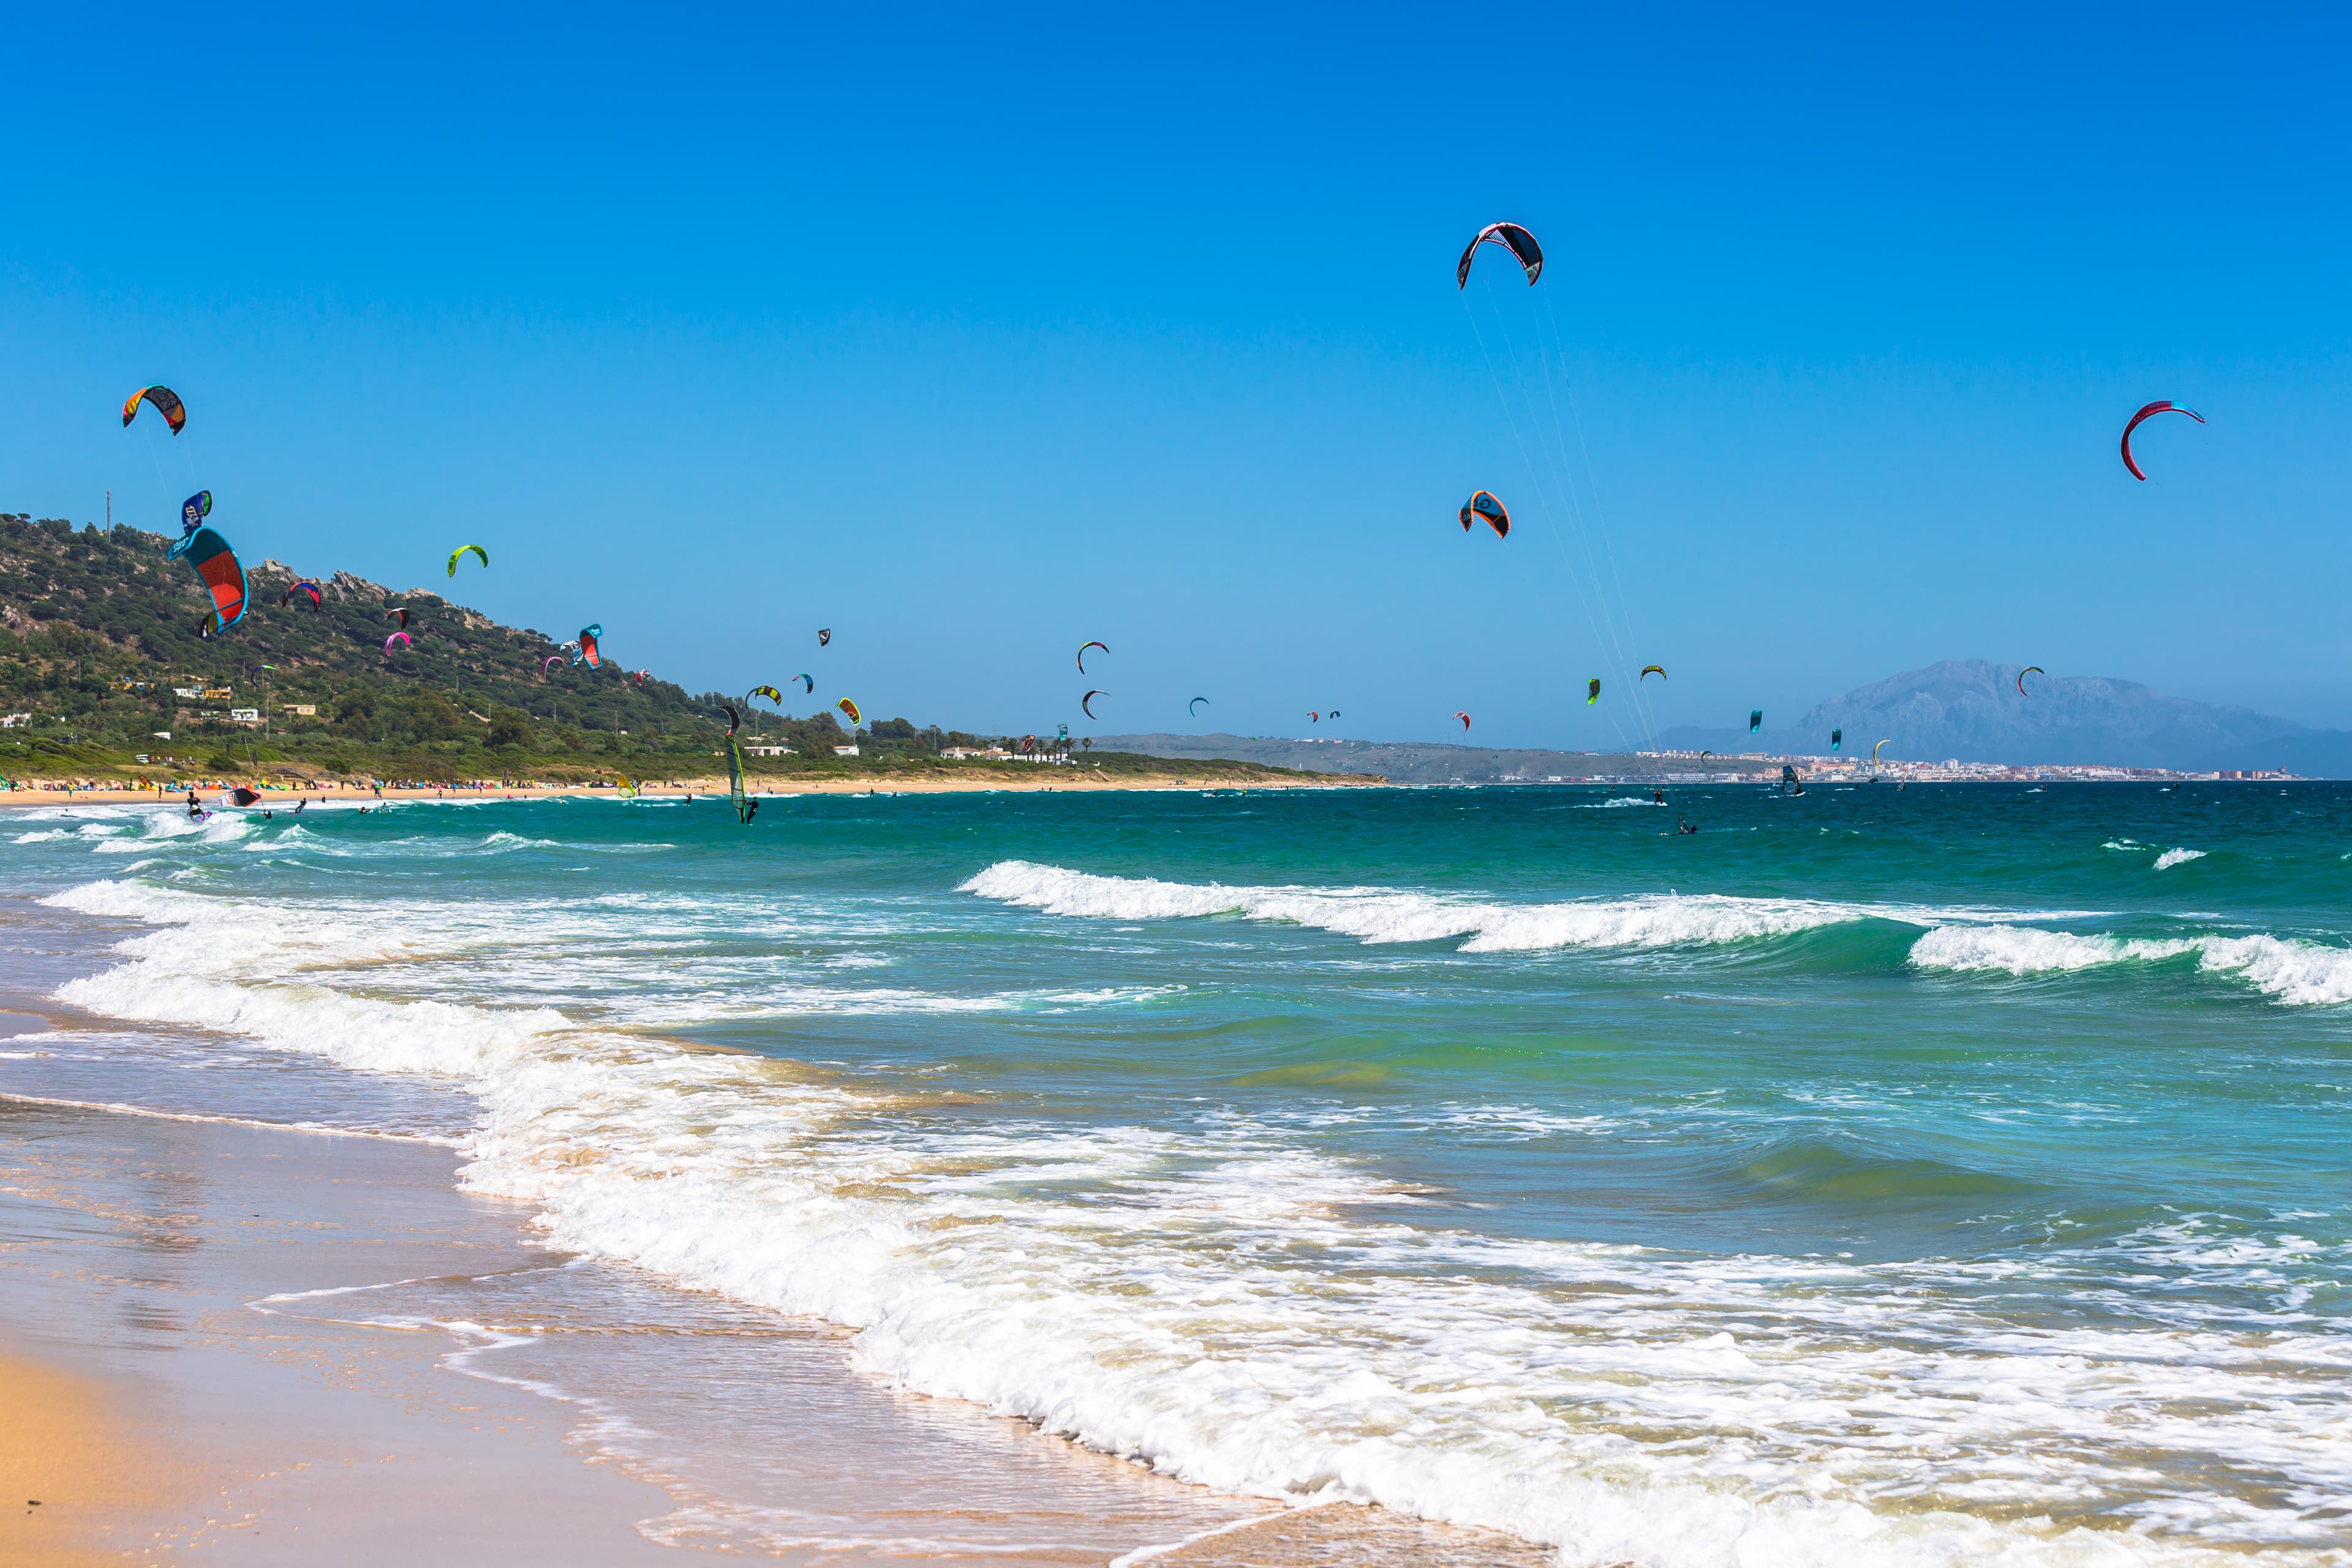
{"type": "Point", "coordinates": [976, 334]}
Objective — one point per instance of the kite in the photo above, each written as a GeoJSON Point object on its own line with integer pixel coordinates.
{"type": "Point", "coordinates": [1483, 504]}
{"type": "Point", "coordinates": [811, 680]}
{"type": "Point", "coordinates": [1084, 702]}
{"type": "Point", "coordinates": [1837, 738]}
{"type": "Point", "coordinates": [2029, 669]}
{"type": "Point", "coordinates": [1650, 669]}
{"type": "Point", "coordinates": [1704, 755]}
{"type": "Point", "coordinates": [1312, 716]}
{"type": "Point", "coordinates": [195, 510]}
{"type": "Point", "coordinates": [734, 719]}
{"type": "Point", "coordinates": [461, 550]}
{"type": "Point", "coordinates": [1193, 708]}
{"type": "Point", "coordinates": [403, 638]}
{"type": "Point", "coordinates": [770, 692]}
{"type": "Point", "coordinates": [1755, 720]}
{"type": "Point", "coordinates": [1332, 713]}
{"type": "Point", "coordinates": [1465, 719]}
{"type": "Point", "coordinates": [846, 706]}
{"type": "Point", "coordinates": [316, 600]}
{"type": "Point", "coordinates": [167, 404]}
{"type": "Point", "coordinates": [1873, 753]}
{"type": "Point", "coordinates": [2160, 406]}
{"type": "Point", "coordinates": [588, 654]}
{"type": "Point", "coordinates": [641, 676]}
{"type": "Point", "coordinates": [210, 556]}
{"type": "Point", "coordinates": [823, 636]}
{"type": "Point", "coordinates": [1592, 691]}
{"type": "Point", "coordinates": [1082, 653]}
{"type": "Point", "coordinates": [401, 611]}
{"type": "Point", "coordinates": [1511, 237]}
{"type": "Point", "coordinates": [552, 660]}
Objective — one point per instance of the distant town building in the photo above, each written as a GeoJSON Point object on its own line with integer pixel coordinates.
{"type": "Point", "coordinates": [845, 750]}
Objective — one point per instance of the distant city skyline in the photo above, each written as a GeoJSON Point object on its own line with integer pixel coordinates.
{"type": "Point", "coordinates": [974, 337]}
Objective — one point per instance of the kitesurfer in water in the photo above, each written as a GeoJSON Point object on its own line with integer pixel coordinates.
{"type": "Point", "coordinates": [195, 809]}
{"type": "Point", "coordinates": [1681, 828]}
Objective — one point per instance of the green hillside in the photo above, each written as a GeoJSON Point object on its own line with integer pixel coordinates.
{"type": "Point", "coordinates": [100, 653]}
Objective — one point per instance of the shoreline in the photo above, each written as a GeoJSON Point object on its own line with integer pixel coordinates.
{"type": "Point", "coordinates": [1075, 784]}
{"type": "Point", "coordinates": [309, 1342]}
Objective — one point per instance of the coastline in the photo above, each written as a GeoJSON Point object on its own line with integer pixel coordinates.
{"type": "Point", "coordinates": [310, 1342]}
{"type": "Point", "coordinates": [1073, 782]}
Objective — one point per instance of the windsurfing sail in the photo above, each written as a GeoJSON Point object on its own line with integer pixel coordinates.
{"type": "Point", "coordinates": [744, 806]}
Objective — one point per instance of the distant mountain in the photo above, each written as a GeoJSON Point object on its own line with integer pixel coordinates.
{"type": "Point", "coordinates": [1969, 709]}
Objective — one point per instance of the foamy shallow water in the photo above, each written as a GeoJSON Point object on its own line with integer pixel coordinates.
{"type": "Point", "coordinates": [1790, 1204]}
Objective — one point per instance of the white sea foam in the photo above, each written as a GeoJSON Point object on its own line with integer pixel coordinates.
{"type": "Point", "coordinates": [2026, 950]}
{"type": "Point", "coordinates": [1386, 915]}
{"type": "Point", "coordinates": [2172, 858]}
{"type": "Point", "coordinates": [2299, 973]}
{"type": "Point", "coordinates": [1221, 1308]}
{"type": "Point", "coordinates": [1618, 801]}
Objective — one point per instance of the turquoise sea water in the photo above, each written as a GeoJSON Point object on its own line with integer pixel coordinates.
{"type": "Point", "coordinates": [1947, 1175]}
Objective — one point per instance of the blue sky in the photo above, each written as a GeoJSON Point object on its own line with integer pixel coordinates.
{"type": "Point", "coordinates": [977, 335]}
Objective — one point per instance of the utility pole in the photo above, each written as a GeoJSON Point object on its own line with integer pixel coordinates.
{"type": "Point", "coordinates": [110, 511]}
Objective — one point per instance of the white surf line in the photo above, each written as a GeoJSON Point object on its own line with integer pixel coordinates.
{"type": "Point", "coordinates": [261, 1303]}
{"type": "Point", "coordinates": [1146, 1553]}
{"type": "Point", "coordinates": [318, 1128]}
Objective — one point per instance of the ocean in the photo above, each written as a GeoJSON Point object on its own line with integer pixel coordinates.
{"type": "Point", "coordinates": [1950, 1174]}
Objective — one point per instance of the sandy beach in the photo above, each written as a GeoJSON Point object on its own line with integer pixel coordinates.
{"type": "Point", "coordinates": [1077, 781]}
{"type": "Point", "coordinates": [230, 1341]}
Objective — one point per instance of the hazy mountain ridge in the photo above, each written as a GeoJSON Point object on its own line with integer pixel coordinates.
{"type": "Point", "coordinates": [1971, 710]}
